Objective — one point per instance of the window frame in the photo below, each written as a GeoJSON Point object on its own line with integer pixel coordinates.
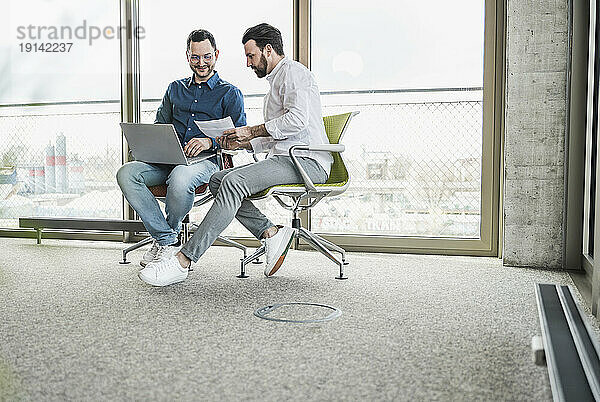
{"type": "Point", "coordinates": [493, 97]}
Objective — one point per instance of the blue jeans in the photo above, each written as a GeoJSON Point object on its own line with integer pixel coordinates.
{"type": "Point", "coordinates": [134, 178]}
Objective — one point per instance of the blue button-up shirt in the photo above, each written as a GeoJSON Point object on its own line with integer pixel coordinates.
{"type": "Point", "coordinates": [186, 101]}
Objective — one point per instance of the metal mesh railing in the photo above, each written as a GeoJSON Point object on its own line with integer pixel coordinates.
{"type": "Point", "coordinates": [415, 171]}
{"type": "Point", "coordinates": [415, 167]}
{"type": "Point", "coordinates": [59, 164]}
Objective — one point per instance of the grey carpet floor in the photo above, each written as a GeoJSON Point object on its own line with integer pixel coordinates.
{"type": "Point", "coordinates": [76, 325]}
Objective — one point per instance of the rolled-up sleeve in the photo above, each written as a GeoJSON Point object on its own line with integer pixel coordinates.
{"type": "Point", "coordinates": [296, 103]}
{"type": "Point", "coordinates": [261, 144]}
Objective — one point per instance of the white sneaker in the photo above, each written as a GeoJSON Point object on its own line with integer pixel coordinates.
{"type": "Point", "coordinates": [150, 254]}
{"type": "Point", "coordinates": [157, 253]}
{"type": "Point", "coordinates": [163, 272]}
{"type": "Point", "coordinates": [276, 248]}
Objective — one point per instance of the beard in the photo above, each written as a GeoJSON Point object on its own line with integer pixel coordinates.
{"type": "Point", "coordinates": [204, 72]}
{"type": "Point", "coordinates": [261, 69]}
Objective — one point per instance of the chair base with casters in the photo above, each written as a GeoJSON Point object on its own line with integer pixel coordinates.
{"type": "Point", "coordinates": [306, 195]}
{"type": "Point", "coordinates": [320, 244]}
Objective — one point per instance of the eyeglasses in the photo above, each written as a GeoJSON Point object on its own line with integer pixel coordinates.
{"type": "Point", "coordinates": [196, 59]}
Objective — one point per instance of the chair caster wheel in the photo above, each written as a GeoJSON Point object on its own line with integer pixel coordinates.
{"type": "Point", "coordinates": [242, 276]}
{"type": "Point", "coordinates": [124, 262]}
{"type": "Point", "coordinates": [257, 261]}
{"type": "Point", "coordinates": [341, 277]}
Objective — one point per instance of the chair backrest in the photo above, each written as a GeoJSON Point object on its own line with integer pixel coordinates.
{"type": "Point", "coordinates": [335, 127]}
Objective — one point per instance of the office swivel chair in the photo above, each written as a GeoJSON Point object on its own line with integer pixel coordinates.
{"type": "Point", "coordinates": [306, 195]}
{"type": "Point", "coordinates": [202, 196]}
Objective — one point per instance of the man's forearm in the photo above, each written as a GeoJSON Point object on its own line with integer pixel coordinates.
{"type": "Point", "coordinates": [259, 131]}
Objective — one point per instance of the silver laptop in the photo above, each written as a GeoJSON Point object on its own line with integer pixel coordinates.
{"type": "Point", "coordinates": [158, 143]}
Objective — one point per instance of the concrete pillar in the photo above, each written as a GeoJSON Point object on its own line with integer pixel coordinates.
{"type": "Point", "coordinates": [536, 104]}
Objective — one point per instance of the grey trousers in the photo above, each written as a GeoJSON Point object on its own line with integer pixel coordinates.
{"type": "Point", "coordinates": [231, 187]}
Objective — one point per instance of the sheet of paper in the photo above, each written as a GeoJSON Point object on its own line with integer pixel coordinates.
{"type": "Point", "coordinates": [215, 128]}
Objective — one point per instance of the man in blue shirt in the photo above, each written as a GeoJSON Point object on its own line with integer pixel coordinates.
{"type": "Point", "coordinates": [203, 96]}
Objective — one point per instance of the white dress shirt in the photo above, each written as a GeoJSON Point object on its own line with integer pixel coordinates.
{"type": "Point", "coordinates": [292, 112]}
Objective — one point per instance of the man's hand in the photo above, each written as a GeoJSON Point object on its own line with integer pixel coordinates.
{"type": "Point", "coordinates": [240, 134]}
{"type": "Point", "coordinates": [240, 137]}
{"type": "Point", "coordinates": [197, 145]}
{"type": "Point", "coordinates": [224, 142]}
{"type": "Point", "coordinates": [236, 138]}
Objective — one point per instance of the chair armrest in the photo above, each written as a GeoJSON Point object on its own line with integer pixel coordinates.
{"type": "Point", "coordinates": [325, 147]}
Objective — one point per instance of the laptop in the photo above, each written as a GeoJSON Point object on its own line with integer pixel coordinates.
{"type": "Point", "coordinates": [158, 143]}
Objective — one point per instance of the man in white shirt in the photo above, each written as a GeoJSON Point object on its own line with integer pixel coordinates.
{"type": "Point", "coordinates": [292, 112]}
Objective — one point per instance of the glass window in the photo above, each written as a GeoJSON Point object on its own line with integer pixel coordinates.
{"type": "Point", "coordinates": [414, 70]}
{"type": "Point", "coordinates": [162, 51]}
{"type": "Point", "coordinates": [59, 110]}
{"type": "Point", "coordinates": [400, 44]}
